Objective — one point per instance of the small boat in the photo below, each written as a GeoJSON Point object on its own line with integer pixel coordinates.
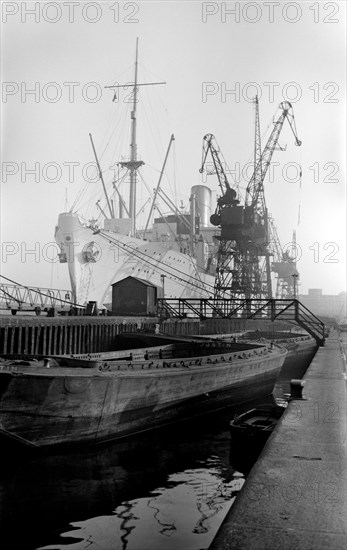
{"type": "Point", "coordinates": [256, 425]}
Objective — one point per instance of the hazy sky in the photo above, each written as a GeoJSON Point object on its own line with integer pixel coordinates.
{"type": "Point", "coordinates": [214, 58]}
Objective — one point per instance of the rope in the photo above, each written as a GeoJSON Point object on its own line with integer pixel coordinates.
{"type": "Point", "coordinates": [300, 184]}
{"type": "Point", "coordinates": [147, 259]}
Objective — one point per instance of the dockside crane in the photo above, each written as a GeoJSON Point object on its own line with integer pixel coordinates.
{"type": "Point", "coordinates": [284, 264]}
{"type": "Point", "coordinates": [261, 231]}
{"type": "Point", "coordinates": [244, 234]}
{"type": "Point", "coordinates": [276, 259]}
{"type": "Point", "coordinates": [227, 251]}
{"type": "Point", "coordinates": [230, 195]}
{"type": "Point", "coordinates": [255, 187]}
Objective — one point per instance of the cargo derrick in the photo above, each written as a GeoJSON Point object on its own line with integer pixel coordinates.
{"type": "Point", "coordinates": [244, 237]}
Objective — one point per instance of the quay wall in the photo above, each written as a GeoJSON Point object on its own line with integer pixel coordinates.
{"type": "Point", "coordinates": [295, 495]}
{"type": "Point", "coordinates": [72, 335]}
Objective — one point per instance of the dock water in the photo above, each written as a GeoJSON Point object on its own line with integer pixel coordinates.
{"type": "Point", "coordinates": [296, 494]}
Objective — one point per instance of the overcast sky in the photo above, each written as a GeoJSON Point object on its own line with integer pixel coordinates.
{"type": "Point", "coordinates": [214, 57]}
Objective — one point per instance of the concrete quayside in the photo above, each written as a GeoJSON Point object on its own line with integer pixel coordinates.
{"type": "Point", "coordinates": [295, 496]}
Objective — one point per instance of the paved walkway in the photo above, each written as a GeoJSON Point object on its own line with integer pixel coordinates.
{"type": "Point", "coordinates": [295, 497]}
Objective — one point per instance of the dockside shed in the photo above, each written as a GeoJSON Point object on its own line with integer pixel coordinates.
{"type": "Point", "coordinates": [134, 296]}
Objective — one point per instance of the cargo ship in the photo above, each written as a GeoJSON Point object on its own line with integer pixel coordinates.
{"type": "Point", "coordinates": [179, 245]}
{"type": "Point", "coordinates": [87, 399]}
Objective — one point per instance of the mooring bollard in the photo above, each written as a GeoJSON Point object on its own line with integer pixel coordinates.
{"type": "Point", "coordinates": [296, 388]}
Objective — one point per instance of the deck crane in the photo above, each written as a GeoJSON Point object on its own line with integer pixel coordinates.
{"type": "Point", "coordinates": [244, 229]}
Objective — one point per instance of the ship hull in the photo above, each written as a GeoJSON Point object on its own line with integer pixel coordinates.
{"type": "Point", "coordinates": [69, 407]}
{"type": "Point", "coordinates": [301, 350]}
{"type": "Point", "coordinates": [300, 354]}
{"type": "Point", "coordinates": [96, 260]}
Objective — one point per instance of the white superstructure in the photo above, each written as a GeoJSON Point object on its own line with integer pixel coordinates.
{"type": "Point", "coordinates": [98, 258]}
{"type": "Point", "coordinates": [176, 253]}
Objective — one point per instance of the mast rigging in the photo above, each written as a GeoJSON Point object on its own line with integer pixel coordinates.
{"type": "Point", "coordinates": [134, 163]}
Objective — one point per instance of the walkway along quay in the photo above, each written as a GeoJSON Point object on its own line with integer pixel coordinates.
{"type": "Point", "coordinates": [247, 308]}
{"type": "Point", "coordinates": [296, 494]}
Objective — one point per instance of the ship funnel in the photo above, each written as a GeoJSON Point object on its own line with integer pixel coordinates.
{"type": "Point", "coordinates": [203, 196]}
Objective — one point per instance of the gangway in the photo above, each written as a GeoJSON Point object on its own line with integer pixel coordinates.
{"type": "Point", "coordinates": [248, 308]}
{"type": "Point", "coordinates": [22, 298]}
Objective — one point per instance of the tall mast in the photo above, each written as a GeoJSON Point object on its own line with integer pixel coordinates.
{"type": "Point", "coordinates": [133, 151]}
{"type": "Point", "coordinates": [133, 164]}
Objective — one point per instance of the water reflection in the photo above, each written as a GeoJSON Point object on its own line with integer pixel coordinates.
{"type": "Point", "coordinates": [166, 490]}
{"type": "Point", "coordinates": [170, 488]}
{"type": "Point", "coordinates": [184, 515]}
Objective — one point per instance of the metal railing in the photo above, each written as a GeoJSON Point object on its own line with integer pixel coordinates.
{"type": "Point", "coordinates": [16, 297]}
{"type": "Point", "coordinates": [248, 308]}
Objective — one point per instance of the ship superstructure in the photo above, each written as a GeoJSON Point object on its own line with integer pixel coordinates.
{"type": "Point", "coordinates": [231, 250]}
{"type": "Point", "coordinates": [97, 258]}
{"type": "Point", "coordinates": [177, 248]}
